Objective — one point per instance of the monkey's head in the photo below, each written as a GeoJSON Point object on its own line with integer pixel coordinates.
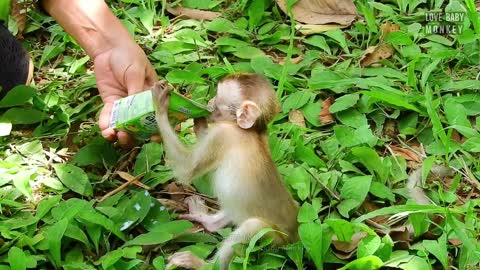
{"type": "Point", "coordinates": [245, 98]}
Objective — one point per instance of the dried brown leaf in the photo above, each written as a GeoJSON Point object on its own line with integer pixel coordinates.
{"type": "Point", "coordinates": [374, 54]}
{"type": "Point", "coordinates": [196, 14]}
{"type": "Point", "coordinates": [387, 28]}
{"type": "Point", "coordinates": [18, 11]}
{"type": "Point", "coordinates": [296, 117]}
{"type": "Point", "coordinates": [176, 192]}
{"type": "Point", "coordinates": [173, 206]}
{"type": "Point", "coordinates": [325, 115]}
{"type": "Point", "coordinates": [310, 29]}
{"type": "Point", "coordinates": [322, 11]}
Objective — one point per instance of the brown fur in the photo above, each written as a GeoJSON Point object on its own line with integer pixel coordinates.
{"type": "Point", "coordinates": [247, 183]}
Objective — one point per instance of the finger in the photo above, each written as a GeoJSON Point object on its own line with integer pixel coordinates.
{"type": "Point", "coordinates": [104, 122]}
{"type": "Point", "coordinates": [125, 140]}
{"type": "Point", "coordinates": [156, 138]}
{"type": "Point", "coordinates": [135, 79]}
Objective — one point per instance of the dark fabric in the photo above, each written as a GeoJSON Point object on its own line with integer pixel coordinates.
{"type": "Point", "coordinates": [14, 62]}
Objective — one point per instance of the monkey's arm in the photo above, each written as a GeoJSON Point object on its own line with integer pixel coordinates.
{"type": "Point", "coordinates": [189, 163]}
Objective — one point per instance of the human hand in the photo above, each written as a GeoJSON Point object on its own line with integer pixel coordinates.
{"type": "Point", "coordinates": [121, 71]}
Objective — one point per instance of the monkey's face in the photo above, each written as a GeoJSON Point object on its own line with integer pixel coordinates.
{"type": "Point", "coordinates": [225, 104]}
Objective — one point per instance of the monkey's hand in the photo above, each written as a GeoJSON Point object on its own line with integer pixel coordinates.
{"type": "Point", "coordinates": [161, 97]}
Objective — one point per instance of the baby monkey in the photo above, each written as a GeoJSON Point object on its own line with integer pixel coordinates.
{"type": "Point", "coordinates": [246, 181]}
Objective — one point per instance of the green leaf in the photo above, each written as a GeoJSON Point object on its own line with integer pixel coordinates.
{"type": "Point", "coordinates": [457, 116]}
{"type": "Point", "coordinates": [297, 100]}
{"type": "Point", "coordinates": [21, 181]}
{"type": "Point", "coordinates": [248, 52]}
{"type": "Point", "coordinates": [438, 249]}
{"type": "Point", "coordinates": [381, 191]}
{"type": "Point", "coordinates": [18, 95]}
{"type": "Point", "coordinates": [343, 103]}
{"type": "Point", "coordinates": [343, 229]}
{"type": "Point", "coordinates": [17, 259]}
{"type": "Point", "coordinates": [472, 145]}
{"type": "Point", "coordinates": [98, 152]}
{"type": "Point", "coordinates": [391, 98]}
{"type": "Point", "coordinates": [311, 112]}
{"type": "Point", "coordinates": [352, 118]}
{"type": "Point", "coordinates": [255, 13]}
{"type": "Point", "coordinates": [46, 205]}
{"type": "Point", "coordinates": [54, 239]}
{"type": "Point", "coordinates": [311, 237]}
{"type": "Point", "coordinates": [295, 252]}
{"type": "Point", "coordinates": [365, 263]}
{"type": "Point", "coordinates": [252, 242]}
{"type": "Point", "coordinates": [183, 77]}
{"type": "Point", "coordinates": [150, 238]}
{"type": "Point", "coordinates": [368, 246]}
{"type": "Point", "coordinates": [320, 42]}
{"type": "Point", "coordinates": [397, 38]}
{"type": "Point", "coordinates": [371, 160]}
{"type": "Point", "coordinates": [74, 178]}
{"type": "Point", "coordinates": [299, 179]}
{"type": "Point", "coordinates": [51, 51]}
{"type": "Point", "coordinates": [307, 213]}
{"type": "Point", "coordinates": [4, 10]}
{"type": "Point", "coordinates": [23, 116]}
{"type": "Point", "coordinates": [307, 155]}
{"type": "Point", "coordinates": [354, 191]}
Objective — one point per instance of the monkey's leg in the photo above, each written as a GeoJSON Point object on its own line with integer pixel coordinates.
{"type": "Point", "coordinates": [185, 259]}
{"type": "Point", "coordinates": [198, 213]}
{"type": "Point", "coordinates": [242, 234]}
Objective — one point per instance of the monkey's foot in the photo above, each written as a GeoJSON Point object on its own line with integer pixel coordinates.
{"type": "Point", "coordinates": [198, 213]}
{"type": "Point", "coordinates": [185, 259]}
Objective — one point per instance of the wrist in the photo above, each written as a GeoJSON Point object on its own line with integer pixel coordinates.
{"type": "Point", "coordinates": [91, 23]}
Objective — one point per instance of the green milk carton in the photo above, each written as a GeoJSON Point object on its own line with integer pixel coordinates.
{"type": "Point", "coordinates": [135, 114]}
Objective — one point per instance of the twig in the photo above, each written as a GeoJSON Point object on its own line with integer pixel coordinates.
{"type": "Point", "coordinates": [121, 187]}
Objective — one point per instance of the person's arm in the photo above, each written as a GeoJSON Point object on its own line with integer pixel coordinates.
{"type": "Point", "coordinates": [121, 67]}
{"type": "Point", "coordinates": [90, 22]}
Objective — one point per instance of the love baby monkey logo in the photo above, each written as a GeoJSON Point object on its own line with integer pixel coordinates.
{"type": "Point", "coordinates": [444, 23]}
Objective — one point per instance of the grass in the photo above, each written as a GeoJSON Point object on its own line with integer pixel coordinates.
{"type": "Point", "coordinates": [421, 102]}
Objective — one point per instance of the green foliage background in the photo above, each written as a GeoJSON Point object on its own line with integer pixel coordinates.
{"type": "Point", "coordinates": [55, 164]}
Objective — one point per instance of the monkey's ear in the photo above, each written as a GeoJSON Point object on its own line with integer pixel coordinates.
{"type": "Point", "coordinates": [247, 114]}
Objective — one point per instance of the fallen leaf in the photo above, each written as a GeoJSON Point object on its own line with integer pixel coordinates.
{"type": "Point", "coordinates": [175, 192]}
{"type": "Point", "coordinates": [387, 28]}
{"type": "Point", "coordinates": [18, 12]}
{"type": "Point", "coordinates": [374, 54]}
{"type": "Point", "coordinates": [173, 206]}
{"type": "Point", "coordinates": [310, 29]}
{"type": "Point", "coordinates": [401, 236]}
{"type": "Point", "coordinates": [455, 242]}
{"type": "Point", "coordinates": [325, 115]}
{"type": "Point", "coordinates": [407, 154]}
{"type": "Point", "coordinates": [457, 137]}
{"type": "Point", "coordinates": [322, 11]}
{"type": "Point", "coordinates": [196, 14]}
{"type": "Point", "coordinates": [294, 60]}
{"type": "Point", "coordinates": [296, 117]}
